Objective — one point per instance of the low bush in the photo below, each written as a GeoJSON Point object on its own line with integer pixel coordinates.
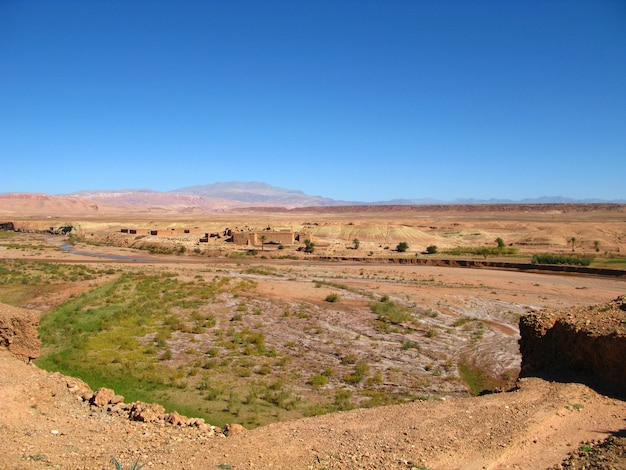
{"type": "Point", "coordinates": [576, 260]}
{"type": "Point", "coordinates": [390, 312]}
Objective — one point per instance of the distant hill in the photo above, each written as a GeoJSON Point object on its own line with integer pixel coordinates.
{"type": "Point", "coordinates": [217, 197]}
{"type": "Point", "coordinates": [257, 193]}
{"type": "Point", "coordinates": [538, 200]}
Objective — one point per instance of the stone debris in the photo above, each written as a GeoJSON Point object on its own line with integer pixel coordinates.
{"type": "Point", "coordinates": [102, 397]}
{"type": "Point", "coordinates": [105, 400]}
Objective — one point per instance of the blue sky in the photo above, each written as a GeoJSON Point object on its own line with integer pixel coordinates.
{"type": "Point", "coordinates": [353, 100]}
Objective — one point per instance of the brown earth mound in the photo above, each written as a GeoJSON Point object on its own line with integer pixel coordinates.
{"type": "Point", "coordinates": [580, 344]}
{"type": "Point", "coordinates": [18, 332]}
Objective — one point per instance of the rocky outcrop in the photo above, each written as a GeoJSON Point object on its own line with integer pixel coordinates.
{"type": "Point", "coordinates": [586, 344]}
{"type": "Point", "coordinates": [18, 332]}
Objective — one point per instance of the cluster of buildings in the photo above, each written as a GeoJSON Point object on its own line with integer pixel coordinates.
{"type": "Point", "coordinates": [238, 237]}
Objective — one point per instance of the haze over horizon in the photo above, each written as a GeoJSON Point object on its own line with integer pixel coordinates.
{"type": "Point", "coordinates": [354, 101]}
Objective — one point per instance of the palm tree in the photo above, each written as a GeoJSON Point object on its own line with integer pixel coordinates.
{"type": "Point", "coordinates": [263, 238]}
{"type": "Point", "coordinates": [573, 242]}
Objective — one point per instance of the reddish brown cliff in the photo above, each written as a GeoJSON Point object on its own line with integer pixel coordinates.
{"type": "Point", "coordinates": [18, 332]}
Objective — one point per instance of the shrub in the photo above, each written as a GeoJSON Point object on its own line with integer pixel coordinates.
{"type": "Point", "coordinates": [135, 466]}
{"type": "Point", "coordinates": [332, 298]}
{"type": "Point", "coordinates": [318, 381]}
{"type": "Point", "coordinates": [546, 258]}
{"type": "Point", "coordinates": [360, 372]}
{"type": "Point", "coordinates": [409, 344]}
{"type": "Point", "coordinates": [431, 249]}
{"type": "Point", "coordinates": [402, 247]}
{"type": "Point", "coordinates": [483, 251]}
{"type": "Point", "coordinates": [390, 312]}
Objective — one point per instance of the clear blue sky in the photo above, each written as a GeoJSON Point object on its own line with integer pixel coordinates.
{"type": "Point", "coordinates": [353, 100]}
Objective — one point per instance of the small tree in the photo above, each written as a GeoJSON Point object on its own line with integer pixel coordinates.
{"type": "Point", "coordinates": [573, 242]}
{"type": "Point", "coordinates": [500, 242]}
{"type": "Point", "coordinates": [402, 247]}
{"type": "Point", "coordinates": [309, 246]}
{"type": "Point", "coordinates": [596, 245]}
{"type": "Point", "coordinates": [356, 243]}
{"type": "Point", "coordinates": [431, 249]}
{"type": "Point", "coordinates": [263, 238]}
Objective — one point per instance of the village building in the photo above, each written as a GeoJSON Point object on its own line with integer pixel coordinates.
{"type": "Point", "coordinates": [265, 237]}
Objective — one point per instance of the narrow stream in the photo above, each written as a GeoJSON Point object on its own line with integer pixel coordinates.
{"type": "Point", "coordinates": [67, 247]}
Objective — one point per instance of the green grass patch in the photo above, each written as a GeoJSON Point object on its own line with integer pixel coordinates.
{"type": "Point", "coordinates": [389, 312]}
{"type": "Point", "coordinates": [611, 263]}
{"type": "Point", "coordinates": [21, 281]}
{"type": "Point", "coordinates": [118, 335]}
{"type": "Point", "coordinates": [473, 376]}
{"type": "Point", "coordinates": [262, 271]}
{"type": "Point", "coordinates": [574, 260]}
{"type": "Point", "coordinates": [484, 251]}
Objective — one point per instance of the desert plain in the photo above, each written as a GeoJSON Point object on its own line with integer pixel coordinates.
{"type": "Point", "coordinates": [351, 355]}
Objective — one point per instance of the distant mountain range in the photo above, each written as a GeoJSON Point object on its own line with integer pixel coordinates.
{"type": "Point", "coordinates": [217, 197]}
{"type": "Point", "coordinates": [256, 193]}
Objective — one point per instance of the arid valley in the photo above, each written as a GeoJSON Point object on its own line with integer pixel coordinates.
{"type": "Point", "coordinates": [339, 349]}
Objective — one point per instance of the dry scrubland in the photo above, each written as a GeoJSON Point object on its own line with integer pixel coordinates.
{"type": "Point", "coordinates": [255, 335]}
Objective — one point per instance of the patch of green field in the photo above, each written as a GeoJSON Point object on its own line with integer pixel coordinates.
{"type": "Point", "coordinates": [5, 235]}
{"type": "Point", "coordinates": [21, 281]}
{"type": "Point", "coordinates": [612, 263]}
{"type": "Point", "coordinates": [473, 376]}
{"type": "Point", "coordinates": [128, 335]}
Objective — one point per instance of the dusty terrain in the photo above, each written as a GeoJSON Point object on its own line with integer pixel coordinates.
{"type": "Point", "coordinates": [45, 424]}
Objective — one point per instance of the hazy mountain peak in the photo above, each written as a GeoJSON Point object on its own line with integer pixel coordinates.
{"type": "Point", "coordinates": [254, 192]}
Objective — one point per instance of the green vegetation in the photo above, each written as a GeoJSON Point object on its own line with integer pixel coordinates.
{"type": "Point", "coordinates": [262, 270]}
{"type": "Point", "coordinates": [402, 247]}
{"type": "Point", "coordinates": [332, 298]}
{"type": "Point", "coordinates": [135, 466]}
{"type": "Point", "coordinates": [356, 243]}
{"type": "Point", "coordinates": [389, 313]}
{"type": "Point", "coordinates": [409, 344]}
{"type": "Point", "coordinates": [309, 246]}
{"type": "Point", "coordinates": [484, 251]}
{"type": "Point", "coordinates": [123, 335]}
{"type": "Point", "coordinates": [612, 262]}
{"type": "Point", "coordinates": [473, 377]}
{"type": "Point", "coordinates": [431, 249]}
{"type": "Point", "coordinates": [345, 287]}
{"type": "Point", "coordinates": [21, 281]}
{"type": "Point", "coordinates": [577, 260]}
{"type": "Point", "coordinates": [361, 371]}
